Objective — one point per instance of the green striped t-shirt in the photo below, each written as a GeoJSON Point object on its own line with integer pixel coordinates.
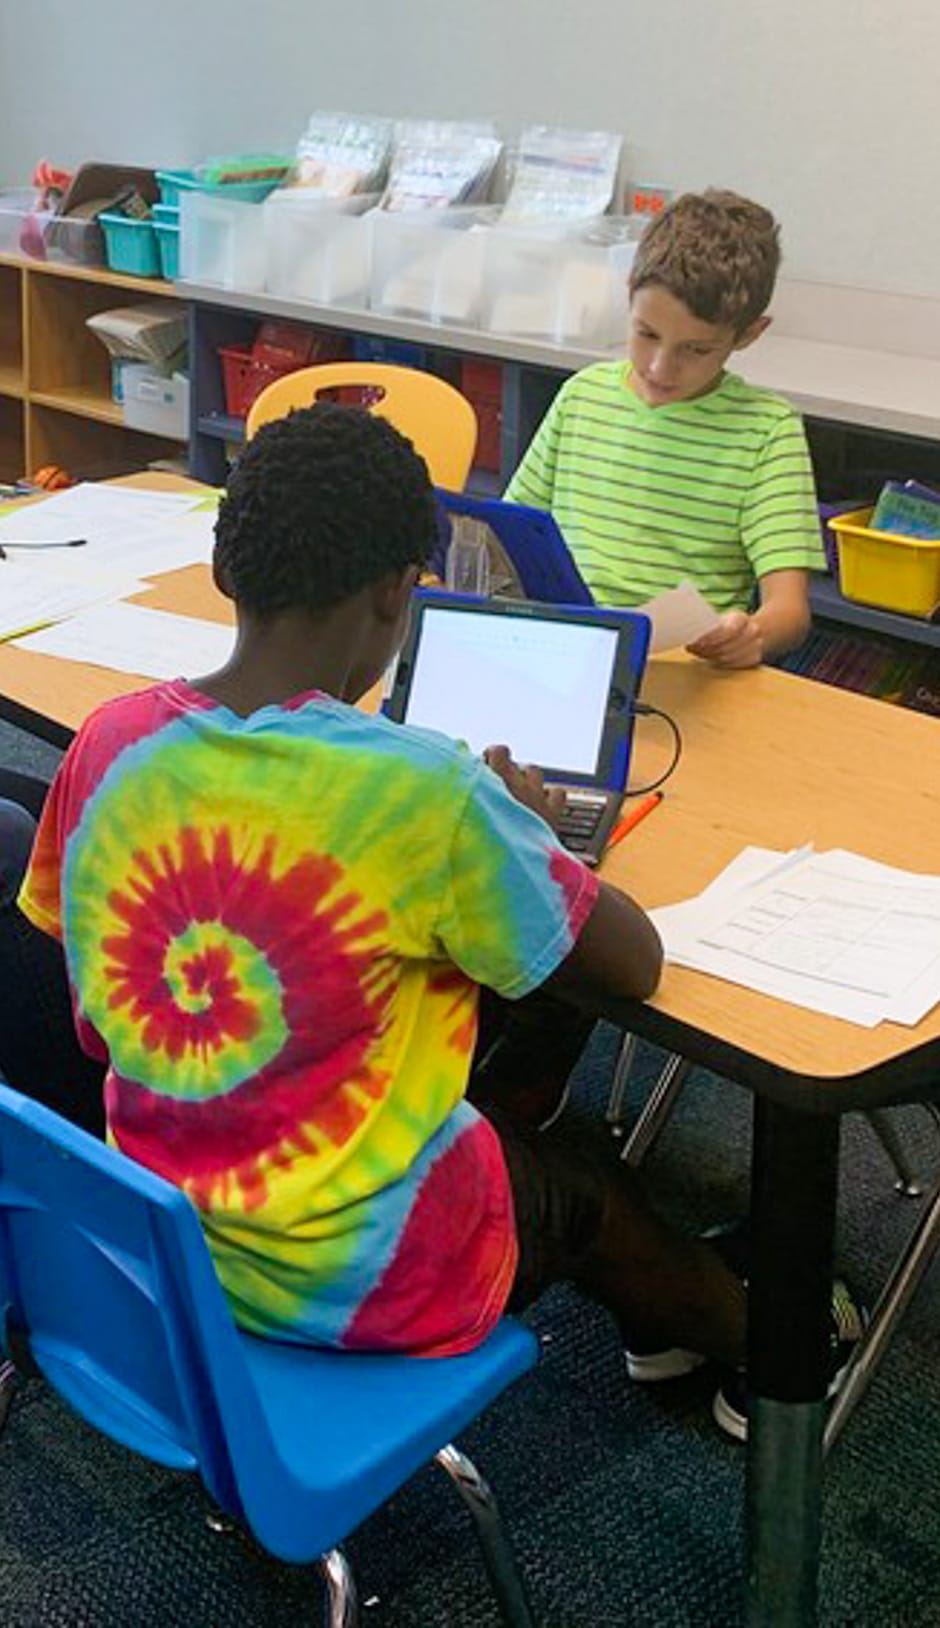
{"type": "Point", "coordinates": [717, 491]}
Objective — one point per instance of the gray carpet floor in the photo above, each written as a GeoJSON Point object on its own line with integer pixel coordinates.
{"type": "Point", "coordinates": [623, 1502]}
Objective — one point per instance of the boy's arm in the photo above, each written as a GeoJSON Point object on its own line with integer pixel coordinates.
{"type": "Point", "coordinates": [781, 622]}
{"type": "Point", "coordinates": [617, 951]}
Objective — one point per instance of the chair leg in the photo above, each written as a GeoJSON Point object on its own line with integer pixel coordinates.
{"type": "Point", "coordinates": [907, 1183]}
{"type": "Point", "coordinates": [656, 1111]}
{"type": "Point", "coordinates": [498, 1557]}
{"type": "Point", "coordinates": [7, 1387]}
{"type": "Point", "coordinates": [341, 1590]}
{"type": "Point", "coordinates": [618, 1085]}
{"type": "Point", "coordinates": [892, 1303]}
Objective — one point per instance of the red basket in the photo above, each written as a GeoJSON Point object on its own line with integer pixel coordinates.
{"type": "Point", "coordinates": [244, 377]}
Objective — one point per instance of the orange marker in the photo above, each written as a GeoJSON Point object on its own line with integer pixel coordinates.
{"type": "Point", "coordinates": [634, 817]}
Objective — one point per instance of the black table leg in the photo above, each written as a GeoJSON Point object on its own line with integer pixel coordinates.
{"type": "Point", "coordinates": [793, 1197]}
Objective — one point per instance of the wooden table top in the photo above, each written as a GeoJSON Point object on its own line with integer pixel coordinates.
{"type": "Point", "coordinates": [768, 759]}
{"type": "Point", "coordinates": [775, 760]}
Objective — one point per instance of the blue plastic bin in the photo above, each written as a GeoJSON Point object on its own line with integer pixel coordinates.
{"type": "Point", "coordinates": [168, 245]}
{"type": "Point", "coordinates": [173, 182]}
{"type": "Point", "coordinates": [131, 245]}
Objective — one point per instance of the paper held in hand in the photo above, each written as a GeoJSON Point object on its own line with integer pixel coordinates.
{"type": "Point", "coordinates": [679, 617]}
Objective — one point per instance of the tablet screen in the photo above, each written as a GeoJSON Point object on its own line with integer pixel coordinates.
{"type": "Point", "coordinates": [535, 685]}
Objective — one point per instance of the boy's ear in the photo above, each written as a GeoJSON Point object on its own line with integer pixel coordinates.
{"type": "Point", "coordinates": [753, 332]}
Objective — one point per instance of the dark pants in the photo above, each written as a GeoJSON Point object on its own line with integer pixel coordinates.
{"type": "Point", "coordinates": [39, 1050]}
{"type": "Point", "coordinates": [580, 1215]}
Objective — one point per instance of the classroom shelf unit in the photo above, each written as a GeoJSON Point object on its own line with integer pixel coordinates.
{"type": "Point", "coordinates": [55, 377]}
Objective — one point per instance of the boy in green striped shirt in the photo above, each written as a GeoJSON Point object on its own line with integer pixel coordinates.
{"type": "Point", "coordinates": [666, 468]}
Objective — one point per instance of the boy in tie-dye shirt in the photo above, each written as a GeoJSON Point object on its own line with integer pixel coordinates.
{"type": "Point", "coordinates": [277, 913]}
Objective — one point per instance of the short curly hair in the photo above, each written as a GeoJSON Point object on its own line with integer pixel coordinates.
{"type": "Point", "coordinates": [321, 504]}
{"type": "Point", "coordinates": [715, 251]}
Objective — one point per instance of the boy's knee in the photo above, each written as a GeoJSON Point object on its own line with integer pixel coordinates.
{"type": "Point", "coordinates": [17, 829]}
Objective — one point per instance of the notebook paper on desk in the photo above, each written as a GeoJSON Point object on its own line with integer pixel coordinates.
{"type": "Point", "coordinates": [136, 639]}
{"type": "Point", "coordinates": [125, 528]}
{"type": "Point", "coordinates": [835, 932]}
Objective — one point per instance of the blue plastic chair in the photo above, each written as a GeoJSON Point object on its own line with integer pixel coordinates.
{"type": "Point", "coordinates": [108, 1289]}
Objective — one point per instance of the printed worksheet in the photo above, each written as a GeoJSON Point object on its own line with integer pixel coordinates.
{"type": "Point", "coordinates": [877, 937]}
{"type": "Point", "coordinates": [135, 639]}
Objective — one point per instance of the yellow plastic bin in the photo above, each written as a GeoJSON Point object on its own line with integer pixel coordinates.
{"type": "Point", "coordinates": [884, 569]}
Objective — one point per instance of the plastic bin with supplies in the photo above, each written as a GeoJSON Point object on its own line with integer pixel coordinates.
{"type": "Point", "coordinates": [884, 569]}
{"type": "Point", "coordinates": [166, 224]}
{"type": "Point", "coordinates": [131, 245]}
{"type": "Point", "coordinates": [22, 222]}
{"type": "Point", "coordinates": [222, 241]}
{"type": "Point", "coordinates": [244, 377]}
{"type": "Point", "coordinates": [155, 403]}
{"type": "Point", "coordinates": [319, 248]}
{"type": "Point", "coordinates": [564, 285]}
{"type": "Point", "coordinates": [279, 348]}
{"type": "Point", "coordinates": [429, 263]}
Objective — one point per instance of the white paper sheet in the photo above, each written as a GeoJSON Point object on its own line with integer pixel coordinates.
{"type": "Point", "coordinates": [32, 599]}
{"type": "Point", "coordinates": [834, 932]}
{"type": "Point", "coordinates": [122, 526]}
{"type": "Point", "coordinates": [679, 617]}
{"type": "Point", "coordinates": [134, 639]}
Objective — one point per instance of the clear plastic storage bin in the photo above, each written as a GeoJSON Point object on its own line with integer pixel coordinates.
{"type": "Point", "coordinates": [221, 242]}
{"type": "Point", "coordinates": [43, 235]}
{"type": "Point", "coordinates": [16, 208]}
{"type": "Point", "coordinates": [429, 264]}
{"type": "Point", "coordinates": [319, 248]}
{"type": "Point", "coordinates": [567, 288]}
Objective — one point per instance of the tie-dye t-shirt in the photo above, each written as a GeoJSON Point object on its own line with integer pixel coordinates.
{"type": "Point", "coordinates": [275, 928]}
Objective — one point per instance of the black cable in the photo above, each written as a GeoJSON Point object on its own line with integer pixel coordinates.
{"type": "Point", "coordinates": [642, 709]}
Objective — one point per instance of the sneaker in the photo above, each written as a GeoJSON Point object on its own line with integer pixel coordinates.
{"type": "Point", "coordinates": [650, 1367]}
{"type": "Point", "coordinates": [849, 1319]}
{"type": "Point", "coordinates": [729, 1240]}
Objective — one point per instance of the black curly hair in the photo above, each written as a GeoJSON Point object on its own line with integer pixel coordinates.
{"type": "Point", "coordinates": [319, 505]}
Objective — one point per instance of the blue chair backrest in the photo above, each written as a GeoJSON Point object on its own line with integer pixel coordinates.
{"type": "Point", "coordinates": [105, 1272]}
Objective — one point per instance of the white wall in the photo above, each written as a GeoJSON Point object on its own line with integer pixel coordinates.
{"type": "Point", "coordinates": [827, 110]}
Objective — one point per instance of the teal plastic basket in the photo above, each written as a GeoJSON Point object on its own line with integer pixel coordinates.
{"type": "Point", "coordinates": [173, 182]}
{"type": "Point", "coordinates": [168, 244]}
{"type": "Point", "coordinates": [131, 245]}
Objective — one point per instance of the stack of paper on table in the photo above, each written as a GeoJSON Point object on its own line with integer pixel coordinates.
{"type": "Point", "coordinates": [31, 599]}
{"type": "Point", "coordinates": [124, 528]}
{"type": "Point", "coordinates": [831, 931]}
{"type": "Point", "coordinates": [134, 639]}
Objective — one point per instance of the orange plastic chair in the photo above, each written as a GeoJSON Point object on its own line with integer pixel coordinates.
{"type": "Point", "coordinates": [436, 418]}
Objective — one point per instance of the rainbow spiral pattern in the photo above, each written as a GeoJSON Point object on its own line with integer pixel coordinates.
{"type": "Point", "coordinates": [275, 927]}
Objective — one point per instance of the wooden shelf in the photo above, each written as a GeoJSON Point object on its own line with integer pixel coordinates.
{"type": "Point", "coordinates": [55, 375]}
{"type": "Point", "coordinates": [146, 286]}
{"type": "Point", "coordinates": [12, 438]}
{"type": "Point", "coordinates": [83, 402]}
{"type": "Point", "coordinates": [12, 382]}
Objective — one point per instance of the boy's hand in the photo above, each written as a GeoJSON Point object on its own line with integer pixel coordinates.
{"type": "Point", "coordinates": [527, 785]}
{"type": "Point", "coordinates": [738, 642]}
